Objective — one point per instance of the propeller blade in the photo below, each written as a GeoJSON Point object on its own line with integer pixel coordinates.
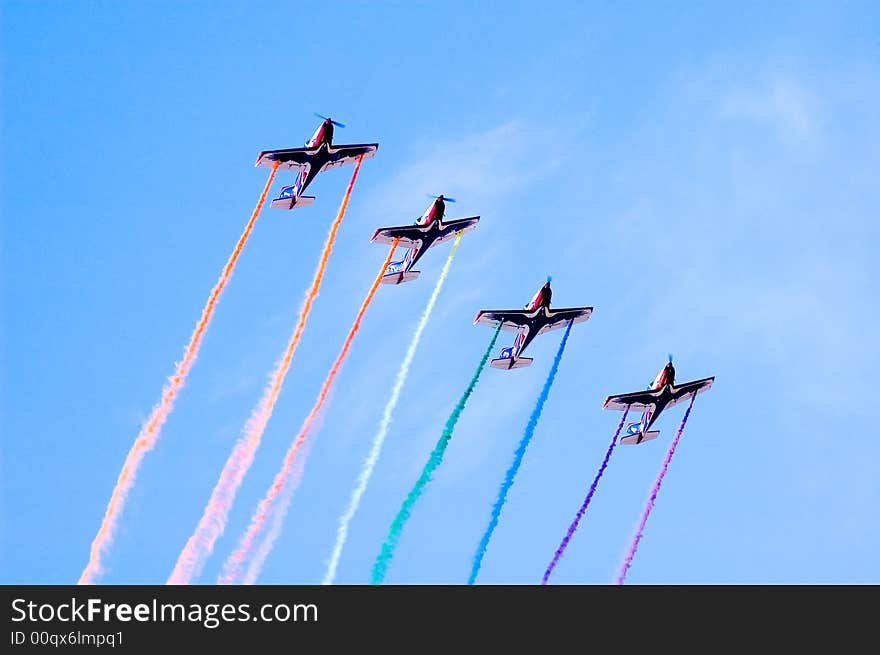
{"type": "Point", "coordinates": [670, 358]}
{"type": "Point", "coordinates": [444, 198]}
{"type": "Point", "coordinates": [327, 118]}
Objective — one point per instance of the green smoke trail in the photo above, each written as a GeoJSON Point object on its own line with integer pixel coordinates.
{"type": "Point", "coordinates": [384, 558]}
{"type": "Point", "coordinates": [385, 425]}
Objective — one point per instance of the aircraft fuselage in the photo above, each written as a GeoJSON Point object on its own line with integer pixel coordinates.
{"type": "Point", "coordinates": [321, 140]}
{"type": "Point", "coordinates": [664, 381]}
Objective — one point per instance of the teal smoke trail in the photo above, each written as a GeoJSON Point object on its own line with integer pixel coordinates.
{"type": "Point", "coordinates": [627, 562]}
{"type": "Point", "coordinates": [385, 425]}
{"type": "Point", "coordinates": [517, 458]}
{"type": "Point", "coordinates": [380, 567]}
{"type": "Point", "coordinates": [586, 503]}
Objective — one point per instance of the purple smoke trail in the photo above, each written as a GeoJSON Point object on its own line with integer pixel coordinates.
{"type": "Point", "coordinates": [650, 505]}
{"type": "Point", "coordinates": [580, 514]}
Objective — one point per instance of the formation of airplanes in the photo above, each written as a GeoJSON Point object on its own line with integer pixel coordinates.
{"type": "Point", "coordinates": [431, 229]}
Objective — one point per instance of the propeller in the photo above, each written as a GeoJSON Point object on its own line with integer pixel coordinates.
{"type": "Point", "coordinates": [445, 198]}
{"type": "Point", "coordinates": [327, 118]}
{"type": "Point", "coordinates": [549, 279]}
{"type": "Point", "coordinates": [670, 358]}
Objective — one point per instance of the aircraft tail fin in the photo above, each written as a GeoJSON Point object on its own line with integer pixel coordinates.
{"type": "Point", "coordinates": [292, 203]}
{"type": "Point", "coordinates": [507, 363]}
{"type": "Point", "coordinates": [640, 437]}
{"type": "Point", "coordinates": [399, 277]}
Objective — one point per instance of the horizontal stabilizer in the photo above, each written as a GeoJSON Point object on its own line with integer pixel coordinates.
{"type": "Point", "coordinates": [290, 203]}
{"type": "Point", "coordinates": [397, 278]}
{"type": "Point", "coordinates": [508, 362]}
{"type": "Point", "coordinates": [641, 437]}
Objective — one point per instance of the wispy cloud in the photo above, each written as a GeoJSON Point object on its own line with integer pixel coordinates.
{"type": "Point", "coordinates": [775, 100]}
{"type": "Point", "coordinates": [479, 167]}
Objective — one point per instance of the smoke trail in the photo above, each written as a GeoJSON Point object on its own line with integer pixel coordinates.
{"type": "Point", "coordinates": [149, 433]}
{"type": "Point", "coordinates": [232, 567]}
{"type": "Point", "coordinates": [583, 508]}
{"type": "Point", "coordinates": [517, 458]}
{"type": "Point", "coordinates": [213, 522]}
{"type": "Point", "coordinates": [650, 504]}
{"type": "Point", "coordinates": [384, 425]}
{"type": "Point", "coordinates": [380, 567]}
{"type": "Point", "coordinates": [255, 565]}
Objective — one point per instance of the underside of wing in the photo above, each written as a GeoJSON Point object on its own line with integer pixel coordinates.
{"type": "Point", "coordinates": [452, 228]}
{"type": "Point", "coordinates": [560, 317]}
{"type": "Point", "coordinates": [293, 159]}
{"type": "Point", "coordinates": [639, 401]}
{"type": "Point", "coordinates": [410, 236]}
{"type": "Point", "coordinates": [345, 155]}
{"type": "Point", "coordinates": [511, 321]}
{"type": "Point", "coordinates": [682, 392]}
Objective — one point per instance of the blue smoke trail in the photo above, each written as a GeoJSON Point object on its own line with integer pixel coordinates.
{"type": "Point", "coordinates": [517, 458]}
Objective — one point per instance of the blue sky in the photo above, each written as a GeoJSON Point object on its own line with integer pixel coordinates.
{"type": "Point", "coordinates": [704, 175]}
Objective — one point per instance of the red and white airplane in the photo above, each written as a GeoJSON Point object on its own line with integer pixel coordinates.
{"type": "Point", "coordinates": [428, 230]}
{"type": "Point", "coordinates": [661, 394]}
{"type": "Point", "coordinates": [319, 155]}
{"type": "Point", "coordinates": [536, 318]}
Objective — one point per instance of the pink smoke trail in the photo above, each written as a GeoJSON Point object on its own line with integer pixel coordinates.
{"type": "Point", "coordinates": [149, 433]}
{"type": "Point", "coordinates": [583, 508]}
{"type": "Point", "coordinates": [213, 522]}
{"type": "Point", "coordinates": [232, 567]}
{"type": "Point", "coordinates": [650, 504]}
{"type": "Point", "coordinates": [261, 553]}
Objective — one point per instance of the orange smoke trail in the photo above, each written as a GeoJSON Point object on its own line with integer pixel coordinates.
{"type": "Point", "coordinates": [149, 434]}
{"type": "Point", "coordinates": [232, 566]}
{"type": "Point", "coordinates": [213, 522]}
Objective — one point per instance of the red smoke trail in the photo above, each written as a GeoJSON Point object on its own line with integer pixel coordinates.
{"type": "Point", "coordinates": [213, 522]}
{"type": "Point", "coordinates": [232, 567]}
{"type": "Point", "coordinates": [650, 504]}
{"type": "Point", "coordinates": [149, 433]}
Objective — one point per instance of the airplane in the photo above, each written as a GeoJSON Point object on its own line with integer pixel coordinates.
{"type": "Point", "coordinates": [536, 318]}
{"type": "Point", "coordinates": [660, 394]}
{"type": "Point", "coordinates": [319, 155]}
{"type": "Point", "coordinates": [428, 230]}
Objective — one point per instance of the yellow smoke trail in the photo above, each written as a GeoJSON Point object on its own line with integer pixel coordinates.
{"type": "Point", "coordinates": [213, 522]}
{"type": "Point", "coordinates": [149, 433]}
{"type": "Point", "coordinates": [232, 567]}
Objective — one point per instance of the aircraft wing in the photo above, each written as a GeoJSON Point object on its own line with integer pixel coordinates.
{"type": "Point", "coordinates": [411, 236]}
{"type": "Point", "coordinates": [640, 401]}
{"type": "Point", "coordinates": [511, 320]}
{"type": "Point", "coordinates": [344, 155]}
{"type": "Point", "coordinates": [452, 228]}
{"type": "Point", "coordinates": [560, 317]}
{"type": "Point", "coordinates": [292, 159]}
{"type": "Point", "coordinates": [681, 392]}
